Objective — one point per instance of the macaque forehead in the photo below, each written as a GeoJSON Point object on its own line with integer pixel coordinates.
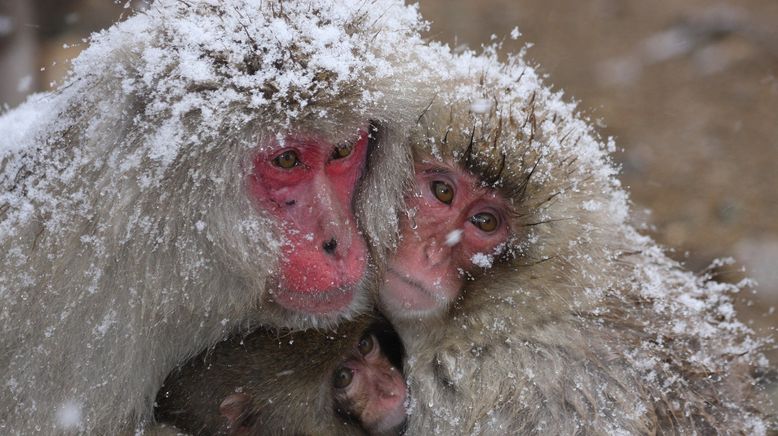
{"type": "Point", "coordinates": [307, 139]}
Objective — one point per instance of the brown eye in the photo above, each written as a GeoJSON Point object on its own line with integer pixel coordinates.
{"type": "Point", "coordinates": [485, 221]}
{"type": "Point", "coordinates": [286, 160]}
{"type": "Point", "coordinates": [343, 377]}
{"type": "Point", "coordinates": [365, 345]}
{"type": "Point", "coordinates": [443, 191]}
{"type": "Point", "coordinates": [342, 150]}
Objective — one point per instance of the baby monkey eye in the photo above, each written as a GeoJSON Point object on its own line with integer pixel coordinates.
{"type": "Point", "coordinates": [365, 345]}
{"type": "Point", "coordinates": [343, 377]}
{"type": "Point", "coordinates": [287, 160]}
{"type": "Point", "coordinates": [485, 221]}
{"type": "Point", "coordinates": [344, 149]}
{"type": "Point", "coordinates": [442, 191]}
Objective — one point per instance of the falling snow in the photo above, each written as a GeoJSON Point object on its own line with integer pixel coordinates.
{"type": "Point", "coordinates": [204, 70]}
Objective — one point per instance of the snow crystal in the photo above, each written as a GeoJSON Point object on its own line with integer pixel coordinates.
{"type": "Point", "coordinates": [515, 34]}
{"type": "Point", "coordinates": [454, 237]}
{"type": "Point", "coordinates": [6, 25]}
{"type": "Point", "coordinates": [25, 84]}
{"type": "Point", "coordinates": [481, 106]}
{"type": "Point", "coordinates": [69, 415]}
{"type": "Point", "coordinates": [108, 320]}
{"type": "Point", "coordinates": [666, 45]}
{"type": "Point", "coordinates": [482, 260]}
{"type": "Point", "coordinates": [591, 205]}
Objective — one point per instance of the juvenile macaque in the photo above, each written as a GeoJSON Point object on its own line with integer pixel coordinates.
{"type": "Point", "coordinates": [527, 306]}
{"type": "Point", "coordinates": [195, 176]}
{"type": "Point", "coordinates": [313, 382]}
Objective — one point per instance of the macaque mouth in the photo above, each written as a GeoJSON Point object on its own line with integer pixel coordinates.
{"type": "Point", "coordinates": [407, 291]}
{"type": "Point", "coordinates": [323, 277]}
{"type": "Point", "coordinates": [411, 282]}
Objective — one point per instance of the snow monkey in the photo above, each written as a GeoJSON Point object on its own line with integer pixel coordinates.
{"type": "Point", "coordinates": [280, 382]}
{"type": "Point", "coordinates": [195, 176]}
{"type": "Point", "coordinates": [526, 304]}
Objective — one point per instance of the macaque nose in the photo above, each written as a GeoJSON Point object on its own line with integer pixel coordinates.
{"type": "Point", "coordinates": [330, 246]}
{"type": "Point", "coordinates": [435, 252]}
{"type": "Point", "coordinates": [388, 384]}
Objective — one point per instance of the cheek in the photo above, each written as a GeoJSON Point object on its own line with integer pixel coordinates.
{"type": "Point", "coordinates": [272, 190]}
{"type": "Point", "coordinates": [478, 247]}
{"type": "Point", "coordinates": [343, 185]}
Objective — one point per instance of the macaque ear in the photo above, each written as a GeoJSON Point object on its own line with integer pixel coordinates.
{"type": "Point", "coordinates": [234, 408]}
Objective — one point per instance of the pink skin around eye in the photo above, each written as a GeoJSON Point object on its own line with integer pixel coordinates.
{"type": "Point", "coordinates": [439, 241]}
{"type": "Point", "coordinates": [324, 258]}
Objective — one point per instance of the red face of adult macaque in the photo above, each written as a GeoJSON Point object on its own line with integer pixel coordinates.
{"type": "Point", "coordinates": [455, 226]}
{"type": "Point", "coordinates": [367, 387]}
{"type": "Point", "coordinates": [308, 184]}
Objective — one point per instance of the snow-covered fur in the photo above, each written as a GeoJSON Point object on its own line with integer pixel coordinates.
{"type": "Point", "coordinates": [582, 326]}
{"type": "Point", "coordinates": [127, 243]}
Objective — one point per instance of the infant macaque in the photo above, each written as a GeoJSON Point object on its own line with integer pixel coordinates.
{"type": "Point", "coordinates": [312, 382]}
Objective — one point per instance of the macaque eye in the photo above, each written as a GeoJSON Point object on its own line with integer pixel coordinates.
{"type": "Point", "coordinates": [286, 160]}
{"type": "Point", "coordinates": [365, 345]}
{"type": "Point", "coordinates": [485, 221]}
{"type": "Point", "coordinates": [343, 377]}
{"type": "Point", "coordinates": [342, 150]}
{"type": "Point", "coordinates": [443, 191]}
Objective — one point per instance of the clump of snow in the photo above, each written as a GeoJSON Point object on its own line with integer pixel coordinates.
{"type": "Point", "coordinates": [482, 260]}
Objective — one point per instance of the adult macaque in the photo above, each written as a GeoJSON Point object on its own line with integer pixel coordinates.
{"type": "Point", "coordinates": [526, 304]}
{"type": "Point", "coordinates": [192, 177]}
{"type": "Point", "coordinates": [313, 382]}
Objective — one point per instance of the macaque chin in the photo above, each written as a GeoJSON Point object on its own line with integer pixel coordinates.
{"type": "Point", "coordinates": [455, 225]}
{"type": "Point", "coordinates": [366, 387]}
{"type": "Point", "coordinates": [308, 184]}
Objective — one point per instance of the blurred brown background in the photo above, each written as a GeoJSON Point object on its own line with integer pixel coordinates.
{"type": "Point", "coordinates": [689, 89]}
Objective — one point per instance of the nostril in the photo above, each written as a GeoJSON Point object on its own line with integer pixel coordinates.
{"type": "Point", "coordinates": [330, 246]}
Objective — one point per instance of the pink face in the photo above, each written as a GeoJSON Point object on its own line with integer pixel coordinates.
{"type": "Point", "coordinates": [307, 184]}
{"type": "Point", "coordinates": [455, 226]}
{"type": "Point", "coordinates": [371, 389]}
